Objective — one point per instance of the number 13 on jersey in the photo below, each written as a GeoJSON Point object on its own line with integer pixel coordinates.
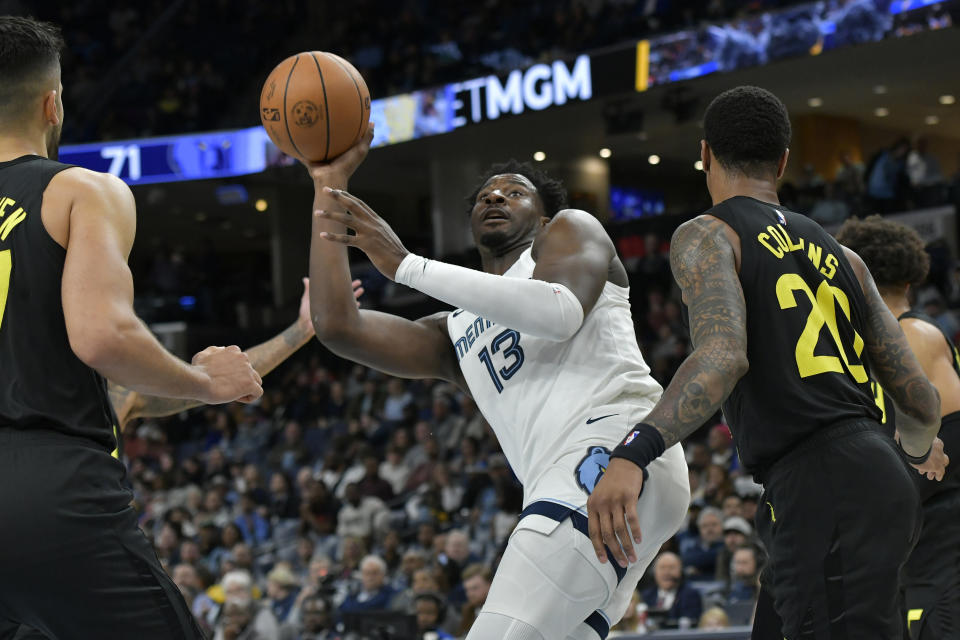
{"type": "Point", "coordinates": [509, 342]}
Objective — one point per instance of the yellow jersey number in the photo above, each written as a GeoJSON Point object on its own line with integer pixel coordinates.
{"type": "Point", "coordinates": [823, 312]}
{"type": "Point", "coordinates": [6, 266]}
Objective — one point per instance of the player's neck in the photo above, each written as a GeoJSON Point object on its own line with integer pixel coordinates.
{"type": "Point", "coordinates": [896, 301]}
{"type": "Point", "coordinates": [498, 261]}
{"type": "Point", "coordinates": [13, 147]}
{"type": "Point", "coordinates": [758, 189]}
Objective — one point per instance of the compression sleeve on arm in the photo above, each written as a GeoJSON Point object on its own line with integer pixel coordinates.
{"type": "Point", "coordinates": [544, 309]}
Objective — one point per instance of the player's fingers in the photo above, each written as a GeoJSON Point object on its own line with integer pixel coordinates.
{"type": "Point", "coordinates": [342, 217]}
{"type": "Point", "coordinates": [623, 537]}
{"type": "Point", "coordinates": [233, 348]}
{"type": "Point", "coordinates": [257, 377]}
{"type": "Point", "coordinates": [610, 537]}
{"type": "Point", "coordinates": [353, 203]}
{"type": "Point", "coordinates": [633, 521]}
{"type": "Point", "coordinates": [342, 238]}
{"type": "Point", "coordinates": [596, 538]}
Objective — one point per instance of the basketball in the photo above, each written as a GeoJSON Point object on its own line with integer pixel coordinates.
{"type": "Point", "coordinates": [314, 106]}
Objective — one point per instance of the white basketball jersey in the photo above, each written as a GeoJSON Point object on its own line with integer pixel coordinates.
{"type": "Point", "coordinates": [557, 408]}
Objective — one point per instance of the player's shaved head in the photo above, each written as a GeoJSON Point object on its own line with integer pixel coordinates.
{"type": "Point", "coordinates": [29, 65]}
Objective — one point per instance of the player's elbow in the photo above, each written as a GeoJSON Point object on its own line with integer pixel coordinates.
{"type": "Point", "coordinates": [93, 345]}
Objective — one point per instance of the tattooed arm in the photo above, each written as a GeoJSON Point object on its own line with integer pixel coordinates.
{"type": "Point", "coordinates": [704, 264]}
{"type": "Point", "coordinates": [897, 369]}
{"type": "Point", "coordinates": [264, 358]}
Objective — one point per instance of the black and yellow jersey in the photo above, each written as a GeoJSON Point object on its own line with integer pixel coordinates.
{"type": "Point", "coordinates": [805, 325]}
{"type": "Point", "coordinates": [43, 385]}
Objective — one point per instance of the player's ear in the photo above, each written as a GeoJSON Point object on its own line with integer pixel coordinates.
{"type": "Point", "coordinates": [50, 111]}
{"type": "Point", "coordinates": [782, 165]}
{"type": "Point", "coordinates": [705, 155]}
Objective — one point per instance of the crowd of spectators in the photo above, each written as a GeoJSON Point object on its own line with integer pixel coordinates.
{"type": "Point", "coordinates": [155, 67]}
{"type": "Point", "coordinates": [900, 177]}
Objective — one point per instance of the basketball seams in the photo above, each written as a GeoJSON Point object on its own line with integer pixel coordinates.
{"type": "Point", "coordinates": [286, 119]}
{"type": "Point", "coordinates": [359, 93]}
{"type": "Point", "coordinates": [326, 105]}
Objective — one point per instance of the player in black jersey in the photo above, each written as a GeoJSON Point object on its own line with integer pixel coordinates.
{"type": "Point", "coordinates": [931, 579]}
{"type": "Point", "coordinates": [75, 565]}
{"type": "Point", "coordinates": [787, 327]}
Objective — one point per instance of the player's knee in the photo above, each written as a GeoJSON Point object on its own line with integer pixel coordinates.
{"type": "Point", "coordinates": [495, 626]}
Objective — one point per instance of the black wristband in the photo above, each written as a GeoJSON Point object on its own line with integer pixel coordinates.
{"type": "Point", "coordinates": [916, 459]}
{"type": "Point", "coordinates": [643, 445]}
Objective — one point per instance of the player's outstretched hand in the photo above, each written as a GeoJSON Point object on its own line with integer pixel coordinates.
{"type": "Point", "coordinates": [612, 511]}
{"type": "Point", "coordinates": [373, 235]}
{"type": "Point", "coordinates": [304, 317]}
{"type": "Point", "coordinates": [936, 465]}
{"type": "Point", "coordinates": [338, 171]}
{"type": "Point", "coordinates": [229, 376]}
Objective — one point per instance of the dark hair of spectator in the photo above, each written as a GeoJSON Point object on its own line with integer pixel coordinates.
{"type": "Point", "coordinates": [748, 130]}
{"type": "Point", "coordinates": [436, 598]}
{"type": "Point", "coordinates": [28, 50]}
{"type": "Point", "coordinates": [893, 252]}
{"type": "Point", "coordinates": [552, 193]}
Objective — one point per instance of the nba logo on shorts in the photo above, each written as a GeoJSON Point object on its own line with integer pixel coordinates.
{"type": "Point", "coordinates": [592, 467]}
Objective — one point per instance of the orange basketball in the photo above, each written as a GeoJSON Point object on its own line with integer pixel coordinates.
{"type": "Point", "coordinates": [315, 106]}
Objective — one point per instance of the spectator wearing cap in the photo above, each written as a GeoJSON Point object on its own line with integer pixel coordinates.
{"type": "Point", "coordinates": [282, 590]}
{"type": "Point", "coordinates": [476, 586]}
{"type": "Point", "coordinates": [374, 593]}
{"type": "Point", "coordinates": [430, 609]}
{"type": "Point", "coordinates": [720, 443]}
{"type": "Point", "coordinates": [700, 556]}
{"type": "Point", "coordinates": [679, 601]}
{"type": "Point", "coordinates": [736, 533]}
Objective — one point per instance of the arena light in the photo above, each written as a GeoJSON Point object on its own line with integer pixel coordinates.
{"type": "Point", "coordinates": [947, 99]}
{"type": "Point", "coordinates": [931, 120]}
{"type": "Point", "coordinates": [539, 156]}
{"type": "Point", "coordinates": [880, 89]}
{"type": "Point", "coordinates": [260, 204]}
{"type": "Point", "coordinates": [881, 112]}
{"type": "Point", "coordinates": [654, 159]}
{"type": "Point", "coordinates": [815, 102]}
{"type": "Point", "coordinates": [605, 153]}
{"type": "Point", "coordinates": [698, 165]}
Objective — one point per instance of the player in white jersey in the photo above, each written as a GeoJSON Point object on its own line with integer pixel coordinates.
{"type": "Point", "coordinates": [543, 340]}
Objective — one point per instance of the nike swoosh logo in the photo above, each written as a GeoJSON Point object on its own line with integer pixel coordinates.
{"type": "Point", "coordinates": [456, 313]}
{"type": "Point", "coordinates": [592, 420]}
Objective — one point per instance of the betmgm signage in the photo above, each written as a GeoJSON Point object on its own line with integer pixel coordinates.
{"type": "Point", "coordinates": [536, 88]}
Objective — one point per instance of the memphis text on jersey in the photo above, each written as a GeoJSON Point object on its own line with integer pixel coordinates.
{"type": "Point", "coordinates": [473, 332]}
{"type": "Point", "coordinates": [777, 240]}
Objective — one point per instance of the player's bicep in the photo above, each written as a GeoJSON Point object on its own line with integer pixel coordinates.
{"type": "Point", "coordinates": [704, 266]}
{"type": "Point", "coordinates": [576, 252]}
{"type": "Point", "coordinates": [401, 347]}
